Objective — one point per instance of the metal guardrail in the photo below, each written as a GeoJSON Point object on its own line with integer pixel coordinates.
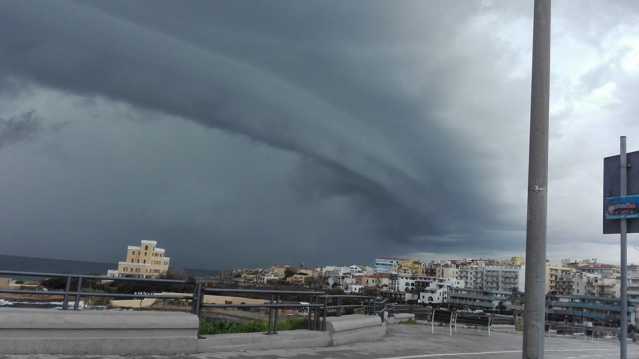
{"type": "Point", "coordinates": [5, 273]}
{"type": "Point", "coordinates": [78, 293]}
{"type": "Point", "coordinates": [338, 304]}
{"type": "Point", "coordinates": [451, 318]}
{"type": "Point", "coordinates": [316, 310]}
{"type": "Point", "coordinates": [313, 308]}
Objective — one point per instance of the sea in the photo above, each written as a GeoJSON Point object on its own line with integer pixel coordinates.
{"type": "Point", "coordinates": [52, 265]}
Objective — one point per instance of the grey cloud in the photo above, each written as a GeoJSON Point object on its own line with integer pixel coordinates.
{"type": "Point", "coordinates": [19, 128]}
{"type": "Point", "coordinates": [25, 127]}
{"type": "Point", "coordinates": [365, 126]}
{"type": "Point", "coordinates": [410, 173]}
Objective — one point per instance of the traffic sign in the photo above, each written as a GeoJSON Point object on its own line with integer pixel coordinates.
{"type": "Point", "coordinates": [612, 189]}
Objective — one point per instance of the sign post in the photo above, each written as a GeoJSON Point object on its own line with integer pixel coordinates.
{"type": "Point", "coordinates": [623, 185]}
{"type": "Point", "coordinates": [621, 215]}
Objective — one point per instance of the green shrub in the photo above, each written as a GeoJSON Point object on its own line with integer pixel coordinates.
{"type": "Point", "coordinates": [291, 324]}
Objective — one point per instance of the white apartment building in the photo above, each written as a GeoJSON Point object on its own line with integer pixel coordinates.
{"type": "Point", "coordinates": [143, 261]}
{"type": "Point", "coordinates": [338, 277]}
{"type": "Point", "coordinates": [446, 272]}
{"type": "Point", "coordinates": [633, 283]}
{"type": "Point", "coordinates": [490, 278]}
{"type": "Point", "coordinates": [436, 292]}
{"type": "Point", "coordinates": [585, 284]}
{"type": "Point", "coordinates": [609, 287]}
{"type": "Point", "coordinates": [408, 283]}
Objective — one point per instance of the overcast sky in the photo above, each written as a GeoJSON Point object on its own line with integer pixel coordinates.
{"type": "Point", "coordinates": [242, 133]}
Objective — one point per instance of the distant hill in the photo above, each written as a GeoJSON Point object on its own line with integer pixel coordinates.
{"type": "Point", "coordinates": [51, 265]}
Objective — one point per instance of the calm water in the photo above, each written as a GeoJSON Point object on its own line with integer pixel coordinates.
{"type": "Point", "coordinates": [48, 265]}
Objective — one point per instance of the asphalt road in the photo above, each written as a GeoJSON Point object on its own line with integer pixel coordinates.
{"type": "Point", "coordinates": [416, 342]}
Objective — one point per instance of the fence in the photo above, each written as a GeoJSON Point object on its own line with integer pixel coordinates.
{"type": "Point", "coordinates": [316, 309]}
{"type": "Point", "coordinates": [340, 304]}
{"type": "Point", "coordinates": [80, 279]}
{"type": "Point", "coordinates": [451, 317]}
{"type": "Point", "coordinates": [276, 303]}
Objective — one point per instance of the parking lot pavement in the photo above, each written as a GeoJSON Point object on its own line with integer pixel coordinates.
{"type": "Point", "coordinates": [416, 342]}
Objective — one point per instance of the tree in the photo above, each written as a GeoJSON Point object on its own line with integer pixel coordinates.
{"type": "Point", "coordinates": [55, 283]}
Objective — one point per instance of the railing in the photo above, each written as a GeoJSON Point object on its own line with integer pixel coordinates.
{"type": "Point", "coordinates": [78, 293]}
{"type": "Point", "coordinates": [315, 310]}
{"type": "Point", "coordinates": [339, 303]}
{"type": "Point", "coordinates": [276, 303]}
{"type": "Point", "coordinates": [449, 317]}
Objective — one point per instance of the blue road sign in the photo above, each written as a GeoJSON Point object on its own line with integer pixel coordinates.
{"type": "Point", "coordinates": [612, 189]}
{"type": "Point", "coordinates": [622, 207]}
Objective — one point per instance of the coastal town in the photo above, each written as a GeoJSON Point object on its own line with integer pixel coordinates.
{"type": "Point", "coordinates": [576, 290]}
{"type": "Point", "coordinates": [319, 179]}
{"type": "Point", "coordinates": [581, 295]}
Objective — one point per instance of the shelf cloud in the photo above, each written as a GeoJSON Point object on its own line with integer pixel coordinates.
{"type": "Point", "coordinates": [360, 128]}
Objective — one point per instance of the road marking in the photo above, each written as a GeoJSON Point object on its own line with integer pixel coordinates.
{"type": "Point", "coordinates": [495, 352]}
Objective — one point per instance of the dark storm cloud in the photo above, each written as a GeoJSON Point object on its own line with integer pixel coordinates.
{"type": "Point", "coordinates": [24, 127]}
{"type": "Point", "coordinates": [19, 128]}
{"type": "Point", "coordinates": [333, 83]}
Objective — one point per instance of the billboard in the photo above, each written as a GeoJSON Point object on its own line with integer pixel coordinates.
{"type": "Point", "coordinates": [611, 189]}
{"type": "Point", "coordinates": [624, 207]}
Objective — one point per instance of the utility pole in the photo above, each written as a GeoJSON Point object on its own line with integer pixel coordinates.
{"type": "Point", "coordinates": [533, 345]}
{"type": "Point", "coordinates": [623, 331]}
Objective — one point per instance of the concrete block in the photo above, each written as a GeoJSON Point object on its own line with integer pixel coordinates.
{"type": "Point", "coordinates": [350, 322]}
{"type": "Point", "coordinates": [47, 331]}
{"type": "Point", "coordinates": [404, 316]}
{"type": "Point", "coordinates": [400, 317]}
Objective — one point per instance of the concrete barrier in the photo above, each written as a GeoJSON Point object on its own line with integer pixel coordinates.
{"type": "Point", "coordinates": [46, 331]}
{"type": "Point", "coordinates": [108, 332]}
{"type": "Point", "coordinates": [400, 317]}
{"type": "Point", "coordinates": [339, 330]}
{"type": "Point", "coordinates": [355, 328]}
{"type": "Point", "coordinates": [286, 339]}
